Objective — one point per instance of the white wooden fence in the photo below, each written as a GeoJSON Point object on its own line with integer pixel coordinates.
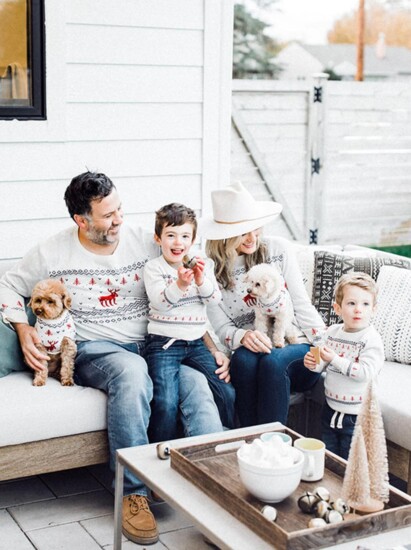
{"type": "Point", "coordinates": [336, 154]}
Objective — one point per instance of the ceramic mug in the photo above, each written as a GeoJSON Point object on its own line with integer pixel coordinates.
{"type": "Point", "coordinates": [314, 453]}
{"type": "Point", "coordinates": [266, 436]}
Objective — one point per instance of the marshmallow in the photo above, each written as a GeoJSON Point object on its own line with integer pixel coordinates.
{"type": "Point", "coordinates": [267, 454]}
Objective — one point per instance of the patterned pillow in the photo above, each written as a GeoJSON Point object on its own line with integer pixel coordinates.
{"type": "Point", "coordinates": [393, 316]}
{"type": "Point", "coordinates": [328, 268]}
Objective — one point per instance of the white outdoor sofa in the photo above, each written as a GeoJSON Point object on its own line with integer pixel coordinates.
{"type": "Point", "coordinates": [55, 428]}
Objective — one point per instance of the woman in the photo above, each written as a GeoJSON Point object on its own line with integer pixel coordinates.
{"type": "Point", "coordinates": [263, 376]}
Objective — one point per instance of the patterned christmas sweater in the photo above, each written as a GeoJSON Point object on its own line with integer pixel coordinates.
{"type": "Point", "coordinates": [359, 357]}
{"type": "Point", "coordinates": [52, 331]}
{"type": "Point", "coordinates": [235, 315]}
{"type": "Point", "coordinates": [108, 295]}
{"type": "Point", "coordinates": [173, 312]}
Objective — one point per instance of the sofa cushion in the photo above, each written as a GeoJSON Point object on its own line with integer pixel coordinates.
{"type": "Point", "coordinates": [32, 413]}
{"type": "Point", "coordinates": [328, 268]}
{"type": "Point", "coordinates": [393, 316]}
{"type": "Point", "coordinates": [394, 397]}
{"type": "Point", "coordinates": [11, 357]}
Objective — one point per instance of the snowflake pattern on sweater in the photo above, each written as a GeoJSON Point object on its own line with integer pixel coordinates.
{"type": "Point", "coordinates": [173, 312]}
{"type": "Point", "coordinates": [105, 296]}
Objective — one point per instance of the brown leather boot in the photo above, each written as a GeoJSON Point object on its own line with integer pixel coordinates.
{"type": "Point", "coordinates": [139, 524]}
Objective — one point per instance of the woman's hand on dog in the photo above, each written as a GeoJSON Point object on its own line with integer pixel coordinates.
{"type": "Point", "coordinates": [256, 341]}
{"type": "Point", "coordinates": [29, 337]}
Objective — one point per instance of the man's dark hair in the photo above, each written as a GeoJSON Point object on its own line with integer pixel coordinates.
{"type": "Point", "coordinates": [174, 214]}
{"type": "Point", "coordinates": [84, 189]}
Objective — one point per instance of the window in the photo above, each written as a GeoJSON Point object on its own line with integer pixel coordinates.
{"type": "Point", "coordinates": [22, 74]}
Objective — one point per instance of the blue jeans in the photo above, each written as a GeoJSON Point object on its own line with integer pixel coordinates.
{"type": "Point", "coordinates": [120, 371]}
{"type": "Point", "coordinates": [337, 440]}
{"type": "Point", "coordinates": [164, 367]}
{"type": "Point", "coordinates": [263, 382]}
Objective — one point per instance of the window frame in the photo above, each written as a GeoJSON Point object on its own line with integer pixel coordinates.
{"type": "Point", "coordinates": [36, 111]}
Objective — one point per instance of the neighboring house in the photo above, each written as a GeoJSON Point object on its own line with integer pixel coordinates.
{"type": "Point", "coordinates": [297, 63]}
{"type": "Point", "coordinates": [381, 62]}
{"type": "Point", "coordinates": [137, 89]}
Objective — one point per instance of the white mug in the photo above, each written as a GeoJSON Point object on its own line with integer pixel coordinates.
{"type": "Point", "coordinates": [314, 453]}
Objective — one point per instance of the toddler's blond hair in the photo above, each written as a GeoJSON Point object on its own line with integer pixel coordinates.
{"type": "Point", "coordinates": [360, 279]}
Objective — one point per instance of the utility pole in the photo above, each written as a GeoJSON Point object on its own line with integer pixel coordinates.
{"type": "Point", "coordinates": [360, 41]}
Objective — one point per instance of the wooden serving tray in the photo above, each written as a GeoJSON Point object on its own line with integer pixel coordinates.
{"type": "Point", "coordinates": [217, 474]}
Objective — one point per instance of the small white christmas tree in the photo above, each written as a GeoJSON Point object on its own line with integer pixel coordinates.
{"type": "Point", "coordinates": [366, 484]}
{"type": "Point", "coordinates": [356, 484]}
{"type": "Point", "coordinates": [370, 419]}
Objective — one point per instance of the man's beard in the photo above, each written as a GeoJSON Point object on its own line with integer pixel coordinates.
{"type": "Point", "coordinates": [100, 237]}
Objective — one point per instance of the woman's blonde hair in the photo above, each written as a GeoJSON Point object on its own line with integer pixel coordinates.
{"type": "Point", "coordinates": [224, 253]}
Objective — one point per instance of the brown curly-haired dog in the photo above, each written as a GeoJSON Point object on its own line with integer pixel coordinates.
{"type": "Point", "coordinates": [50, 303]}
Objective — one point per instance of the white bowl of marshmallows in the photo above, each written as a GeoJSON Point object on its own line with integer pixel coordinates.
{"type": "Point", "coordinates": [270, 470]}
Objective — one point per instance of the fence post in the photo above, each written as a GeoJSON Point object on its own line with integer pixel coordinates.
{"type": "Point", "coordinates": [316, 158]}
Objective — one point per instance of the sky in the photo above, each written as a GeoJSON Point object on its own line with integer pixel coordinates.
{"type": "Point", "coordinates": [306, 20]}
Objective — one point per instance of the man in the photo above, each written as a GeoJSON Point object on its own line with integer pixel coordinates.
{"type": "Point", "coordinates": [103, 274]}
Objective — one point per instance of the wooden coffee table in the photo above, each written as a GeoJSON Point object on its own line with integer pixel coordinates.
{"type": "Point", "coordinates": [216, 523]}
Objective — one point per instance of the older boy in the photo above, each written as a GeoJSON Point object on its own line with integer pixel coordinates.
{"type": "Point", "coordinates": [178, 297]}
{"type": "Point", "coordinates": [352, 354]}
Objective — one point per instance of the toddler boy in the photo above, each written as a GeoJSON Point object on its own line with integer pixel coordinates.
{"type": "Point", "coordinates": [352, 354]}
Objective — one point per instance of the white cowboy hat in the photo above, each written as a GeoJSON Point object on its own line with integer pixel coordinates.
{"type": "Point", "coordinates": [235, 212]}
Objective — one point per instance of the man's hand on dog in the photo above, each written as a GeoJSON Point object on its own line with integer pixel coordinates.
{"type": "Point", "coordinates": [29, 337]}
{"type": "Point", "coordinates": [256, 341]}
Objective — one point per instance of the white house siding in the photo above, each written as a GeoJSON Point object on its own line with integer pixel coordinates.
{"type": "Point", "coordinates": [367, 159]}
{"type": "Point", "coordinates": [138, 89]}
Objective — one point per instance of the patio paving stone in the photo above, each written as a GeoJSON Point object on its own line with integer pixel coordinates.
{"type": "Point", "coordinates": [63, 537]}
{"type": "Point", "coordinates": [169, 519]}
{"type": "Point", "coordinates": [128, 545]}
{"type": "Point", "coordinates": [63, 510]}
{"type": "Point", "coordinates": [101, 529]}
{"type": "Point", "coordinates": [23, 491]}
{"type": "Point", "coordinates": [186, 539]}
{"type": "Point", "coordinates": [74, 510]}
{"type": "Point", "coordinates": [103, 475]}
{"type": "Point", "coordinates": [71, 482]}
{"type": "Point", "coordinates": [12, 537]}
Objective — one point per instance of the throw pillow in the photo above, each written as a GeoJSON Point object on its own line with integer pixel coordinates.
{"type": "Point", "coordinates": [11, 357]}
{"type": "Point", "coordinates": [328, 268]}
{"type": "Point", "coordinates": [393, 316]}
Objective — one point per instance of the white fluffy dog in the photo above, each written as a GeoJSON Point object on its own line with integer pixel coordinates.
{"type": "Point", "coordinates": [271, 301]}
